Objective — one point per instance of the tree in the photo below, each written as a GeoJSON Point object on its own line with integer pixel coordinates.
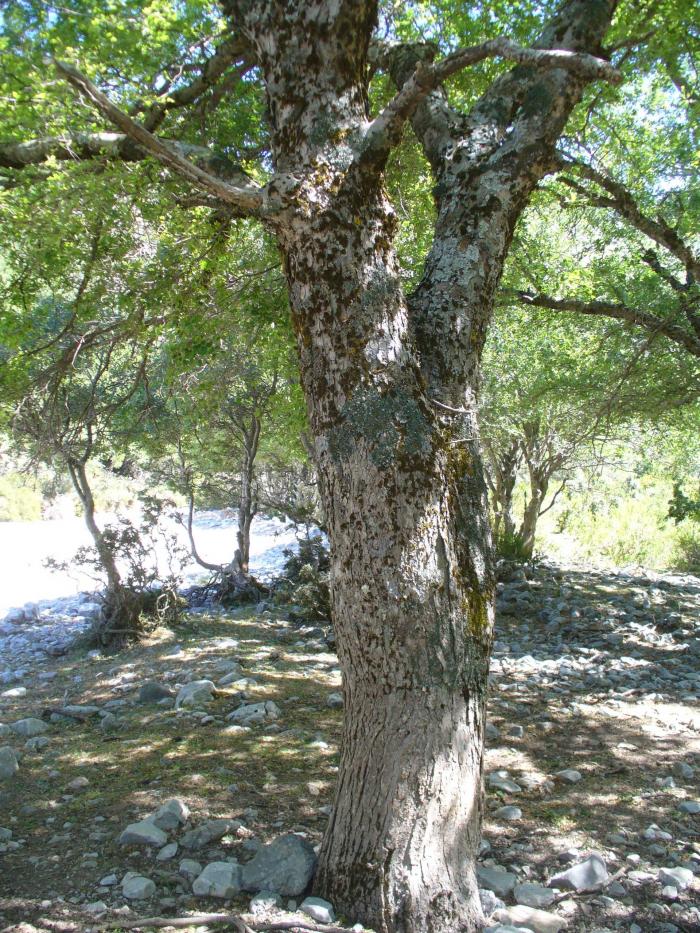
{"type": "Point", "coordinates": [390, 378]}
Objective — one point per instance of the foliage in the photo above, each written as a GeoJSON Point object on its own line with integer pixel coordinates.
{"type": "Point", "coordinates": [304, 581]}
{"type": "Point", "coordinates": [19, 501]}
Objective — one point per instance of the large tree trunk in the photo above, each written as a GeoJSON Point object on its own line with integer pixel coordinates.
{"type": "Point", "coordinates": [391, 385]}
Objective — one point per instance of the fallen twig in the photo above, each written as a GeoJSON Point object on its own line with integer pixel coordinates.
{"type": "Point", "coordinates": [236, 921]}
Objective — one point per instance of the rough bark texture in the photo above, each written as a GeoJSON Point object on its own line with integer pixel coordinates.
{"type": "Point", "coordinates": [391, 384]}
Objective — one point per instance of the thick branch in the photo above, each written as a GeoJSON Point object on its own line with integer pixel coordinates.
{"type": "Point", "coordinates": [621, 200]}
{"type": "Point", "coordinates": [386, 127]}
{"type": "Point", "coordinates": [649, 322]}
{"type": "Point", "coordinates": [247, 199]}
{"type": "Point", "coordinates": [230, 51]}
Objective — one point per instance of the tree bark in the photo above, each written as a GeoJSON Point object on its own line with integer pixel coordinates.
{"type": "Point", "coordinates": [391, 385]}
{"type": "Point", "coordinates": [247, 505]}
{"type": "Point", "coordinates": [78, 475]}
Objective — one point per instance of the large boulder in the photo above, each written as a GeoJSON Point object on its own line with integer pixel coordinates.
{"type": "Point", "coordinates": [285, 866]}
{"type": "Point", "coordinates": [219, 879]}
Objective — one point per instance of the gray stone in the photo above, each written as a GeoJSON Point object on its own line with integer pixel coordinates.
{"type": "Point", "coordinates": [136, 887]}
{"type": "Point", "coordinates": [231, 677]}
{"type": "Point", "coordinates": [690, 806]}
{"type": "Point", "coordinates": [533, 895]}
{"type": "Point", "coordinates": [539, 921]}
{"type": "Point", "coordinates": [172, 814]}
{"type": "Point", "coordinates": [570, 775]}
{"type": "Point", "coordinates": [219, 879]}
{"type": "Point", "coordinates": [489, 901]}
{"type": "Point", "coordinates": [36, 744]}
{"type": "Point", "coordinates": [285, 866]}
{"type": "Point", "coordinates": [143, 833]}
{"type": "Point", "coordinates": [589, 875]}
{"type": "Point", "coordinates": [265, 901]}
{"type": "Point", "coordinates": [254, 713]}
{"type": "Point", "coordinates": [189, 869]}
{"type": "Point", "coordinates": [508, 814]}
{"type": "Point", "coordinates": [8, 763]}
{"type": "Point", "coordinates": [207, 832]}
{"type": "Point", "coordinates": [5, 834]}
{"type": "Point", "coordinates": [334, 701]}
{"type": "Point", "coordinates": [317, 909]}
{"type": "Point", "coordinates": [516, 732]}
{"type": "Point", "coordinates": [108, 881]}
{"type": "Point", "coordinates": [77, 785]}
{"type": "Point", "coordinates": [680, 878]}
{"type": "Point", "coordinates": [195, 694]}
{"type": "Point", "coordinates": [496, 879]}
{"type": "Point", "coordinates": [29, 727]}
{"type": "Point", "coordinates": [96, 908]}
{"type": "Point", "coordinates": [500, 780]}
{"type": "Point", "coordinates": [167, 852]}
{"type": "Point", "coordinates": [152, 691]}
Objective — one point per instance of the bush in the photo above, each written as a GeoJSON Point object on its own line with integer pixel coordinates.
{"type": "Point", "coordinates": [305, 580]}
{"type": "Point", "coordinates": [510, 546]}
{"type": "Point", "coordinates": [20, 500]}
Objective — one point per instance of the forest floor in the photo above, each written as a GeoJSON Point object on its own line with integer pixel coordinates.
{"type": "Point", "coordinates": [596, 673]}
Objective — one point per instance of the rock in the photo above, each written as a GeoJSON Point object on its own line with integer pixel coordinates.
{"type": "Point", "coordinates": [334, 701]}
{"type": "Point", "coordinates": [690, 806]}
{"type": "Point", "coordinates": [680, 878]}
{"type": "Point", "coordinates": [96, 907]}
{"type": "Point", "coordinates": [589, 875]}
{"type": "Point", "coordinates": [539, 921]}
{"type": "Point", "coordinates": [152, 691]}
{"type": "Point", "coordinates": [4, 730]}
{"type": "Point", "coordinates": [108, 881]}
{"type": "Point", "coordinates": [195, 693]}
{"type": "Point", "coordinates": [143, 833]}
{"type": "Point", "coordinates": [533, 895]}
{"type": "Point", "coordinates": [516, 732]}
{"type": "Point", "coordinates": [36, 744]}
{"type": "Point", "coordinates": [80, 712]}
{"type": "Point", "coordinates": [207, 832]}
{"type": "Point", "coordinates": [496, 879]}
{"type": "Point", "coordinates": [167, 852]}
{"type": "Point", "coordinates": [285, 866]}
{"type": "Point", "coordinates": [489, 901]}
{"type": "Point", "coordinates": [265, 901]}
{"type": "Point", "coordinates": [77, 785]}
{"type": "Point", "coordinates": [5, 834]}
{"type": "Point", "coordinates": [29, 727]}
{"type": "Point", "coordinates": [189, 869]}
{"type": "Point", "coordinates": [136, 887]}
{"type": "Point", "coordinates": [317, 909]}
{"type": "Point", "coordinates": [499, 780]}
{"type": "Point", "coordinates": [253, 713]}
{"type": "Point", "coordinates": [172, 814]}
{"type": "Point", "coordinates": [508, 813]}
{"type": "Point", "coordinates": [570, 775]}
{"type": "Point", "coordinates": [219, 879]}
{"type": "Point", "coordinates": [231, 677]}
{"type": "Point", "coordinates": [8, 763]}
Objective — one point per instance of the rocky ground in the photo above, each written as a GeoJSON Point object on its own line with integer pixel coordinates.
{"type": "Point", "coordinates": [196, 771]}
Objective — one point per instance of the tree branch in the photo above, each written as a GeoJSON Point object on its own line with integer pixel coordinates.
{"type": "Point", "coordinates": [649, 322]}
{"type": "Point", "coordinates": [623, 202]}
{"type": "Point", "coordinates": [248, 199]}
{"type": "Point", "coordinates": [385, 129]}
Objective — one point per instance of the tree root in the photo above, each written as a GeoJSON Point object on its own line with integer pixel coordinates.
{"type": "Point", "coordinates": [237, 923]}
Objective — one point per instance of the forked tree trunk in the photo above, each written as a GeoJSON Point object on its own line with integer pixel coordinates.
{"type": "Point", "coordinates": [391, 384]}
